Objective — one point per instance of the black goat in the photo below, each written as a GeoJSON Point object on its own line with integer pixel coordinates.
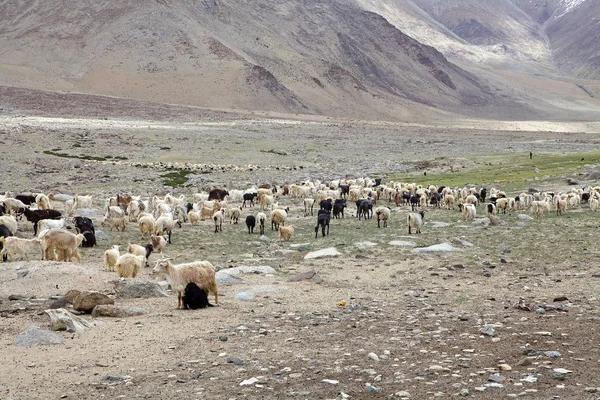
{"type": "Point", "coordinates": [364, 208]}
{"type": "Point", "coordinates": [35, 216]}
{"type": "Point", "coordinates": [250, 223]}
{"type": "Point", "coordinates": [326, 205]}
{"type": "Point", "coordinates": [194, 297]}
{"type": "Point", "coordinates": [482, 194]}
{"type": "Point", "coordinates": [249, 197]}
{"type": "Point", "coordinates": [4, 233]}
{"type": "Point", "coordinates": [323, 220]}
{"type": "Point", "coordinates": [435, 199]}
{"type": "Point", "coordinates": [85, 226]}
{"type": "Point", "coordinates": [338, 208]}
{"type": "Point", "coordinates": [27, 199]}
{"type": "Point", "coordinates": [414, 201]}
{"type": "Point", "coordinates": [344, 190]}
{"type": "Point", "coordinates": [217, 194]}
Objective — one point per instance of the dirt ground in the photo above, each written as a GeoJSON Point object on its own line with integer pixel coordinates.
{"type": "Point", "coordinates": [410, 325]}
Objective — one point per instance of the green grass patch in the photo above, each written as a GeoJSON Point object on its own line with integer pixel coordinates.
{"type": "Point", "coordinates": [513, 172]}
{"type": "Point", "coordinates": [56, 153]}
{"type": "Point", "coordinates": [176, 178]}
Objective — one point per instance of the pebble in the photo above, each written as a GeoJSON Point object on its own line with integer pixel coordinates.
{"type": "Point", "coordinates": [552, 354]}
{"type": "Point", "coordinates": [248, 382]}
{"type": "Point", "coordinates": [223, 338]}
{"type": "Point", "coordinates": [504, 367]}
{"type": "Point", "coordinates": [488, 330]}
{"type": "Point", "coordinates": [529, 379]}
{"type": "Point", "coordinates": [402, 394]}
{"type": "Point", "coordinates": [464, 392]}
{"type": "Point", "coordinates": [373, 356]}
{"type": "Point", "coordinates": [330, 381]}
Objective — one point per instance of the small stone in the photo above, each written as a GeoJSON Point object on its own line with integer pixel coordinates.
{"type": "Point", "coordinates": [248, 382]}
{"type": "Point", "coordinates": [552, 354]}
{"type": "Point", "coordinates": [244, 296]}
{"type": "Point", "coordinates": [496, 378]}
{"type": "Point", "coordinates": [235, 361]}
{"type": "Point", "coordinates": [373, 356]}
{"type": "Point", "coordinates": [540, 310]}
{"type": "Point", "coordinates": [223, 338]}
{"type": "Point", "coordinates": [504, 367]}
{"type": "Point", "coordinates": [529, 379]}
{"type": "Point", "coordinates": [370, 387]}
{"type": "Point", "coordinates": [464, 392]}
{"type": "Point", "coordinates": [488, 330]}
{"type": "Point", "coordinates": [330, 381]}
{"type": "Point", "coordinates": [402, 394]}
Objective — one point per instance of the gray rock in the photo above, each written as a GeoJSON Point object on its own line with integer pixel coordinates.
{"type": "Point", "coordinates": [401, 243]}
{"type": "Point", "coordinates": [328, 252]}
{"type": "Point", "coordinates": [35, 336]}
{"type": "Point", "coordinates": [524, 217]}
{"type": "Point", "coordinates": [488, 330]}
{"type": "Point", "coordinates": [86, 301]}
{"type": "Point", "coordinates": [365, 245]}
{"type": "Point", "coordinates": [113, 311]}
{"type": "Point", "coordinates": [136, 288]}
{"type": "Point", "coordinates": [85, 212]}
{"type": "Point", "coordinates": [259, 269]}
{"type": "Point", "coordinates": [443, 247]}
{"type": "Point", "coordinates": [496, 378]}
{"type": "Point", "coordinates": [61, 302]}
{"type": "Point", "coordinates": [243, 296]}
{"type": "Point", "coordinates": [62, 320]}
{"type": "Point", "coordinates": [101, 235]}
{"type": "Point", "coordinates": [234, 360]}
{"type": "Point", "coordinates": [22, 273]}
{"type": "Point", "coordinates": [223, 278]}
{"type": "Point", "coordinates": [594, 175]}
{"type": "Point", "coordinates": [552, 354]}
{"type": "Point", "coordinates": [264, 238]}
{"type": "Point", "coordinates": [298, 245]}
{"type": "Point", "coordinates": [571, 181]}
{"type": "Point", "coordinates": [17, 297]}
{"type": "Point", "coordinates": [303, 276]}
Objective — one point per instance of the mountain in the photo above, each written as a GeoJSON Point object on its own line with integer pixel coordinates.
{"type": "Point", "coordinates": [356, 59]}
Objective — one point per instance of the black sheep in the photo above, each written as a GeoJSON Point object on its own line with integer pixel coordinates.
{"type": "Point", "coordinates": [35, 216]}
{"type": "Point", "coordinates": [249, 197]}
{"type": "Point", "coordinates": [194, 297]}
{"type": "Point", "coordinates": [323, 219]}
{"type": "Point", "coordinates": [4, 233]}
{"type": "Point", "coordinates": [85, 226]}
{"type": "Point", "coordinates": [364, 208]}
{"type": "Point", "coordinates": [27, 199]}
{"type": "Point", "coordinates": [338, 208]}
{"type": "Point", "coordinates": [250, 223]}
{"type": "Point", "coordinates": [414, 201]}
{"type": "Point", "coordinates": [217, 194]}
{"type": "Point", "coordinates": [326, 205]}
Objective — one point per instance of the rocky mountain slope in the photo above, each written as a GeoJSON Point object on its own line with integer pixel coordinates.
{"type": "Point", "coordinates": [364, 59]}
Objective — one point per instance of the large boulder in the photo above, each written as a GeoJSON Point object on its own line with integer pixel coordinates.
{"type": "Point", "coordinates": [135, 288]}
{"type": "Point", "coordinates": [62, 320]}
{"type": "Point", "coordinates": [117, 311]}
{"type": "Point", "coordinates": [328, 252]}
{"type": "Point", "coordinates": [36, 336]}
{"type": "Point", "coordinates": [86, 301]}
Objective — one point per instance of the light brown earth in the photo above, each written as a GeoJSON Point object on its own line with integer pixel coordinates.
{"type": "Point", "coordinates": [420, 313]}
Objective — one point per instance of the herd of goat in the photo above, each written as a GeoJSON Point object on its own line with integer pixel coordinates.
{"type": "Point", "coordinates": [157, 217]}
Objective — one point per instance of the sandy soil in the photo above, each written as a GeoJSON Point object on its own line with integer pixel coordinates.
{"type": "Point", "coordinates": [419, 314]}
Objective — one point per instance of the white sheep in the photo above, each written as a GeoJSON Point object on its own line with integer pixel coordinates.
{"type": "Point", "coordinates": [286, 232]}
{"type": "Point", "coordinates": [10, 222]}
{"type": "Point", "coordinates": [15, 247]}
{"type": "Point", "coordinates": [110, 258]}
{"type": "Point", "coordinates": [414, 220]}
{"type": "Point", "coordinates": [202, 273]}
{"type": "Point", "coordinates": [165, 224]}
{"type": "Point", "coordinates": [234, 214]}
{"type": "Point", "coordinates": [43, 202]}
{"type": "Point", "coordinates": [113, 222]}
{"type": "Point", "coordinates": [13, 205]}
{"type": "Point", "coordinates": [114, 212]}
{"type": "Point", "coordinates": [194, 217]}
{"type": "Point", "coordinates": [469, 212]}
{"type": "Point", "coordinates": [44, 224]}
{"type": "Point", "coordinates": [129, 265]}
{"type": "Point", "coordinates": [81, 202]}
{"type": "Point", "coordinates": [594, 203]}
{"type": "Point", "coordinates": [383, 214]}
{"type": "Point", "coordinates": [261, 219]}
{"type": "Point", "coordinates": [61, 245]}
{"type": "Point", "coordinates": [158, 243]}
{"type": "Point", "coordinates": [278, 218]}
{"type": "Point", "coordinates": [218, 219]}
{"type": "Point", "coordinates": [308, 205]}
{"type": "Point", "coordinates": [147, 224]}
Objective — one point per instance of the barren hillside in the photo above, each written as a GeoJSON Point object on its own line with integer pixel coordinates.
{"type": "Point", "coordinates": [357, 60]}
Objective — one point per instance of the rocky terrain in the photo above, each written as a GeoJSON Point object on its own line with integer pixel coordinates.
{"type": "Point", "coordinates": [463, 309]}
